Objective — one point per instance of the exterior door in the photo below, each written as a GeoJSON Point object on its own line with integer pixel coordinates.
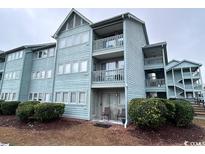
{"type": "Point", "coordinates": [114, 101]}
{"type": "Point", "coordinates": [111, 100]}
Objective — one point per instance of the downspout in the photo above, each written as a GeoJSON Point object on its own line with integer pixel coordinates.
{"type": "Point", "coordinates": [54, 70]}
{"type": "Point", "coordinates": [90, 73]}
{"type": "Point", "coordinates": [125, 72]}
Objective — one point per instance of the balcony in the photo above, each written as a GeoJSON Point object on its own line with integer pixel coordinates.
{"type": "Point", "coordinates": [154, 85]}
{"type": "Point", "coordinates": [108, 78]}
{"type": "Point", "coordinates": [153, 62]}
{"type": "Point", "coordinates": [108, 47]}
{"type": "Point", "coordinates": [198, 87]}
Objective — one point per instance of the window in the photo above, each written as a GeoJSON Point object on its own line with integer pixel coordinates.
{"type": "Point", "coordinates": [14, 96]}
{"type": "Point", "coordinates": [30, 96]}
{"type": "Point", "coordinates": [34, 75]}
{"type": "Point", "coordinates": [47, 97]}
{"type": "Point", "coordinates": [35, 55]}
{"type": "Point", "coordinates": [40, 97]}
{"type": "Point", "coordinates": [65, 97]}
{"type": "Point", "coordinates": [60, 69]}
{"type": "Point", "coordinates": [58, 97]}
{"type": "Point", "coordinates": [6, 76]}
{"type": "Point", "coordinates": [70, 22]}
{"type": "Point", "coordinates": [120, 64]}
{"type": "Point", "coordinates": [17, 75]}
{"type": "Point", "coordinates": [14, 75]}
{"type": "Point", "coordinates": [12, 56]}
{"type": "Point", "coordinates": [10, 75]}
{"type": "Point", "coordinates": [77, 21]}
{"type": "Point", "coordinates": [20, 54]}
{"type": "Point", "coordinates": [2, 96]}
{"type": "Point", "coordinates": [9, 57]}
{"type": "Point", "coordinates": [38, 75]}
{"type": "Point", "coordinates": [9, 96]}
{"type": "Point", "coordinates": [44, 53]}
{"type": "Point", "coordinates": [82, 97]}
{"type": "Point", "coordinates": [73, 97]}
{"type": "Point", "coordinates": [51, 52]}
{"type": "Point", "coordinates": [48, 74]}
{"type": "Point", "coordinates": [75, 67]}
{"type": "Point", "coordinates": [40, 54]}
{"type": "Point", "coordinates": [6, 96]}
{"type": "Point", "coordinates": [83, 66]}
{"type": "Point", "coordinates": [35, 96]}
{"type": "Point", "coordinates": [43, 74]}
{"type": "Point", "coordinates": [67, 68]}
{"type": "Point", "coordinates": [16, 55]}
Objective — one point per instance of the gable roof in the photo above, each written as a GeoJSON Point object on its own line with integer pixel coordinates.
{"type": "Point", "coordinates": [120, 17]}
{"type": "Point", "coordinates": [24, 47]}
{"type": "Point", "coordinates": [183, 61]}
{"type": "Point", "coordinates": [65, 20]}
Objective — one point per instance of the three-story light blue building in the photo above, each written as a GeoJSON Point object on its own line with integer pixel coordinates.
{"type": "Point", "coordinates": [97, 68]}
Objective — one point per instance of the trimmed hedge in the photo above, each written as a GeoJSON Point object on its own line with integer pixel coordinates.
{"type": "Point", "coordinates": [154, 112]}
{"type": "Point", "coordinates": [184, 113]}
{"type": "Point", "coordinates": [9, 107]}
{"type": "Point", "coordinates": [147, 113]}
{"type": "Point", "coordinates": [44, 112]}
{"type": "Point", "coordinates": [25, 110]}
{"type": "Point", "coordinates": [1, 101]}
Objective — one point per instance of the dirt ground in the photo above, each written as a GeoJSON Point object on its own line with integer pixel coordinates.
{"type": "Point", "coordinates": [77, 132]}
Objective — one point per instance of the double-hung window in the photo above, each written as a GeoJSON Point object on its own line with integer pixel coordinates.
{"type": "Point", "coordinates": [73, 97]}
{"type": "Point", "coordinates": [83, 66]}
{"type": "Point", "coordinates": [58, 97]}
{"type": "Point", "coordinates": [75, 67]}
{"type": "Point", "coordinates": [67, 68]}
{"type": "Point", "coordinates": [60, 69]}
{"type": "Point", "coordinates": [82, 98]}
{"type": "Point", "coordinates": [65, 97]}
{"type": "Point", "coordinates": [49, 74]}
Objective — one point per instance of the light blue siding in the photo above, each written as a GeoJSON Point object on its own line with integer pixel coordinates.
{"type": "Point", "coordinates": [74, 82]}
{"type": "Point", "coordinates": [135, 40]}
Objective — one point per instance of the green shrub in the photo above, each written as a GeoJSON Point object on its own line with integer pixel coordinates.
{"type": "Point", "coordinates": [48, 111]}
{"type": "Point", "coordinates": [171, 109]}
{"type": "Point", "coordinates": [147, 113]}
{"type": "Point", "coordinates": [9, 107]}
{"type": "Point", "coordinates": [184, 113]}
{"type": "Point", "coordinates": [1, 101]}
{"type": "Point", "coordinates": [25, 110]}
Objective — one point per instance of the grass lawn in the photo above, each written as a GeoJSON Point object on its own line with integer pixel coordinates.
{"type": "Point", "coordinates": [76, 132]}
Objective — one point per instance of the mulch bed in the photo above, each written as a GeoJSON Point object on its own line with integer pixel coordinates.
{"type": "Point", "coordinates": [79, 132]}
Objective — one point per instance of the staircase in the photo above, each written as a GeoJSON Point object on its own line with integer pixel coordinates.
{"type": "Point", "coordinates": [199, 110]}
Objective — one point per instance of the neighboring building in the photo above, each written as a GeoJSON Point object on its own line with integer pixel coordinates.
{"type": "Point", "coordinates": [93, 67]}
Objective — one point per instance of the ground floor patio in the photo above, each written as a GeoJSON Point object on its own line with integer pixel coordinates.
{"type": "Point", "coordinates": [108, 104]}
{"type": "Point", "coordinates": [78, 132]}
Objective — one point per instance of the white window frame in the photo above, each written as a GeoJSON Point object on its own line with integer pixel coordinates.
{"type": "Point", "coordinates": [84, 102]}
{"type": "Point", "coordinates": [73, 66]}
{"type": "Point", "coordinates": [20, 54]}
{"type": "Point", "coordinates": [45, 96]}
{"type": "Point", "coordinates": [66, 70]}
{"type": "Point", "coordinates": [85, 68]}
{"type": "Point", "coordinates": [30, 94]}
{"type": "Point", "coordinates": [56, 97]}
{"type": "Point", "coordinates": [49, 74]}
{"type": "Point", "coordinates": [63, 99]}
{"type": "Point", "coordinates": [60, 69]}
{"type": "Point", "coordinates": [71, 97]}
{"type": "Point", "coordinates": [43, 74]}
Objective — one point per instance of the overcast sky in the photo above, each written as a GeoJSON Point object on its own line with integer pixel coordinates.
{"type": "Point", "coordinates": [182, 29]}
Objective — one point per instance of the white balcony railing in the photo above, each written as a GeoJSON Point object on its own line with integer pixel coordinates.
{"type": "Point", "coordinates": [153, 60]}
{"type": "Point", "coordinates": [188, 86]}
{"type": "Point", "coordinates": [108, 75]}
{"type": "Point", "coordinates": [155, 82]}
{"type": "Point", "coordinates": [109, 42]}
